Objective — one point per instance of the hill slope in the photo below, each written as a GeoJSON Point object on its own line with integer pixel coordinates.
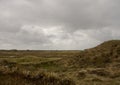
{"type": "Point", "coordinates": [99, 65]}
{"type": "Point", "coordinates": [101, 56]}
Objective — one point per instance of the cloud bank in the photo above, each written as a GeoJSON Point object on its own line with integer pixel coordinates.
{"type": "Point", "coordinates": [58, 24]}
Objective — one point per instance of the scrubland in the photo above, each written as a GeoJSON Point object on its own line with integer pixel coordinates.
{"type": "Point", "coordinates": [95, 66]}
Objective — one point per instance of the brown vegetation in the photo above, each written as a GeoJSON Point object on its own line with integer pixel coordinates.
{"type": "Point", "coordinates": [96, 66]}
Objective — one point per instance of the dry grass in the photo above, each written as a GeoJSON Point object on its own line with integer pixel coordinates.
{"type": "Point", "coordinates": [20, 76]}
{"type": "Point", "coordinates": [95, 66]}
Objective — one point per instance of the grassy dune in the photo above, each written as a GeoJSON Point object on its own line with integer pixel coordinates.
{"type": "Point", "coordinates": [96, 66]}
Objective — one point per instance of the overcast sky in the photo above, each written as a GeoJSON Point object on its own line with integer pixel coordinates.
{"type": "Point", "coordinates": [58, 24]}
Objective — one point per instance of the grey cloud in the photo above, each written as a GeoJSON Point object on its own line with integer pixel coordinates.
{"type": "Point", "coordinates": [80, 21]}
{"type": "Point", "coordinates": [78, 14]}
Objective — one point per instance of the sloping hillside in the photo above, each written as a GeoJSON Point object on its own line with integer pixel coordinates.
{"type": "Point", "coordinates": [99, 65]}
{"type": "Point", "coordinates": [103, 55]}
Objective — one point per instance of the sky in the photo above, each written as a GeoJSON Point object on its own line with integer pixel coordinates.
{"type": "Point", "coordinates": [58, 24]}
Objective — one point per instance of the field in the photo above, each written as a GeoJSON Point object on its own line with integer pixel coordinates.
{"type": "Point", "coordinates": [96, 66]}
{"type": "Point", "coordinates": [45, 63]}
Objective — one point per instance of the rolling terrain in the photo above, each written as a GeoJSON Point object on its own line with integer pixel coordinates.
{"type": "Point", "coordinates": [95, 66]}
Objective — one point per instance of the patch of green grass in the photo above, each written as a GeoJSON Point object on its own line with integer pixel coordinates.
{"type": "Point", "coordinates": [29, 59]}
